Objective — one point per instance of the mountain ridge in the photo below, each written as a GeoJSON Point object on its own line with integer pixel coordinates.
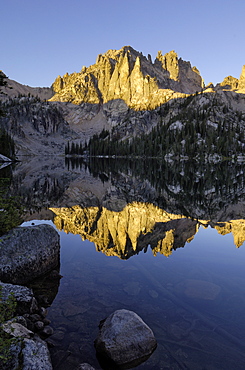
{"type": "Point", "coordinates": [168, 66]}
{"type": "Point", "coordinates": [128, 75]}
{"type": "Point", "coordinates": [125, 93]}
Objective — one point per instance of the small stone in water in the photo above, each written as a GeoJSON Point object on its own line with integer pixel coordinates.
{"type": "Point", "coordinates": [47, 330]}
{"type": "Point", "coordinates": [39, 325]}
{"type": "Point", "coordinates": [153, 293]}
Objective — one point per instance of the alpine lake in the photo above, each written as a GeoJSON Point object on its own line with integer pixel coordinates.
{"type": "Point", "coordinates": [162, 239]}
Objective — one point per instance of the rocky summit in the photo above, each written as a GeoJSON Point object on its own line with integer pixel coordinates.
{"type": "Point", "coordinates": [128, 95]}
{"type": "Point", "coordinates": [128, 75]}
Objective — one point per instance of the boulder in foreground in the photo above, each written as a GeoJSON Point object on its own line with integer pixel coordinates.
{"type": "Point", "coordinates": [28, 252]}
{"type": "Point", "coordinates": [125, 339]}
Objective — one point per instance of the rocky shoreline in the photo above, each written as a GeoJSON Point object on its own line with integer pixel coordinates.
{"type": "Point", "coordinates": [25, 329]}
{"type": "Point", "coordinates": [32, 252]}
{"type": "Point", "coordinates": [26, 253]}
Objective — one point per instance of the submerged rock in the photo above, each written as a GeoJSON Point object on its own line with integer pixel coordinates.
{"type": "Point", "coordinates": [125, 339]}
{"type": "Point", "coordinates": [28, 252]}
{"type": "Point", "coordinates": [199, 289]}
{"type": "Point", "coordinates": [85, 366]}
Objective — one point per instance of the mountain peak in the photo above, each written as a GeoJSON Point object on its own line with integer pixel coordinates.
{"type": "Point", "coordinates": [128, 75]}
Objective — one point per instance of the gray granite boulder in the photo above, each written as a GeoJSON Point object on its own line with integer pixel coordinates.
{"type": "Point", "coordinates": [125, 339]}
{"type": "Point", "coordinates": [28, 252]}
{"type": "Point", "coordinates": [16, 329]}
{"type": "Point", "coordinates": [28, 354]}
{"type": "Point", "coordinates": [24, 297]}
{"type": "Point", "coordinates": [11, 362]}
{"type": "Point", "coordinates": [36, 355]}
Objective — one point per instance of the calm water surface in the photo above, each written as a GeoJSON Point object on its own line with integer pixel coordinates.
{"type": "Point", "coordinates": [166, 242]}
{"type": "Point", "coordinates": [194, 301]}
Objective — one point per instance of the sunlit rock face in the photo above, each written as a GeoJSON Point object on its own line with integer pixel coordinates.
{"type": "Point", "coordinates": [232, 83]}
{"type": "Point", "coordinates": [241, 84]}
{"type": "Point", "coordinates": [128, 75]}
{"type": "Point", "coordinates": [229, 83]}
{"type": "Point", "coordinates": [125, 233]}
{"type": "Point", "coordinates": [188, 77]}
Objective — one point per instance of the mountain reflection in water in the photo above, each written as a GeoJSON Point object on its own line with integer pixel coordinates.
{"type": "Point", "coordinates": [125, 233]}
{"type": "Point", "coordinates": [136, 227]}
{"type": "Point", "coordinates": [194, 301]}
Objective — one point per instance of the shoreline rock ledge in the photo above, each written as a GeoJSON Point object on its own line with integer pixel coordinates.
{"type": "Point", "coordinates": [28, 252]}
{"type": "Point", "coordinates": [125, 339]}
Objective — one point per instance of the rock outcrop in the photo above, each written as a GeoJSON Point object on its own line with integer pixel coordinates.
{"type": "Point", "coordinates": [241, 84]}
{"type": "Point", "coordinates": [35, 125]}
{"type": "Point", "coordinates": [28, 252]}
{"type": "Point", "coordinates": [125, 339]}
{"type": "Point", "coordinates": [187, 77]}
{"type": "Point", "coordinates": [229, 83]}
{"type": "Point", "coordinates": [232, 83]}
{"type": "Point", "coordinates": [128, 75]}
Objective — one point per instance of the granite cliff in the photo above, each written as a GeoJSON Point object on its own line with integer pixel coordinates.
{"type": "Point", "coordinates": [234, 84]}
{"type": "Point", "coordinates": [128, 75]}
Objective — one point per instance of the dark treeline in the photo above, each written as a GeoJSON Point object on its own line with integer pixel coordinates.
{"type": "Point", "coordinates": [10, 206]}
{"type": "Point", "coordinates": [192, 140]}
{"type": "Point", "coordinates": [7, 146]}
{"type": "Point", "coordinates": [75, 149]}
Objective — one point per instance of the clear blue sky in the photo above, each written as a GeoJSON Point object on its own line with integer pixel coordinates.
{"type": "Point", "coordinates": [41, 39]}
